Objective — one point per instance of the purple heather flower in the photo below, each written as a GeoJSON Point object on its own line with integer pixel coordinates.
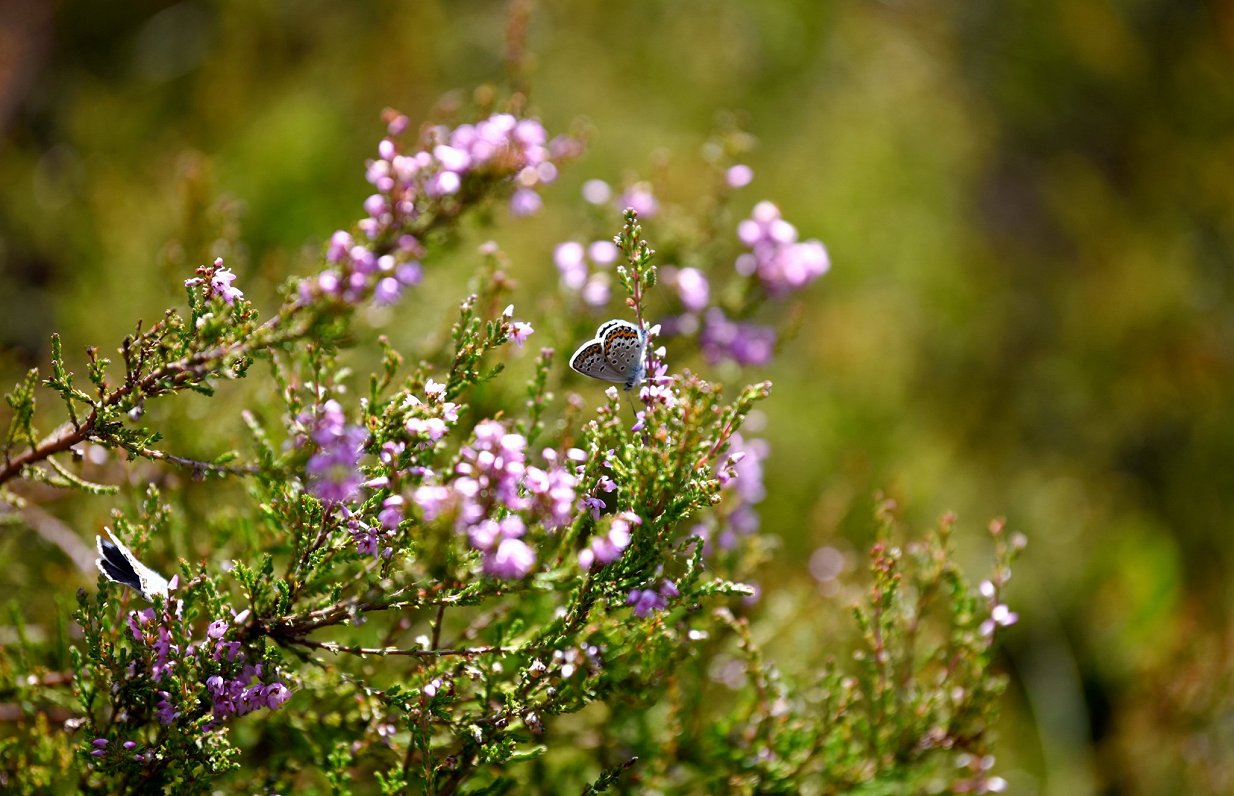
{"type": "Point", "coordinates": [658, 386]}
{"type": "Point", "coordinates": [744, 343]}
{"type": "Point", "coordinates": [571, 263]}
{"type": "Point", "coordinates": [387, 291]}
{"type": "Point", "coordinates": [409, 274]}
{"type": "Point", "coordinates": [451, 159]}
{"type": "Point", "coordinates": [340, 244]}
{"type": "Point", "coordinates": [501, 147]}
{"type": "Point", "coordinates": [743, 466]}
{"type": "Point", "coordinates": [367, 538]}
{"type": "Point", "coordinates": [781, 264]}
{"type": "Point", "coordinates": [334, 474]}
{"type": "Point", "coordinates": [692, 288]}
{"type": "Point", "coordinates": [432, 500]}
{"type": "Point", "coordinates": [488, 534]}
{"type": "Point", "coordinates": [434, 428]}
{"type": "Point", "coordinates": [444, 183]}
{"type": "Point", "coordinates": [164, 710]}
{"type": "Point", "coordinates": [376, 205]}
{"type": "Point", "coordinates": [597, 192]}
{"type": "Point", "coordinates": [398, 123]}
{"type": "Point", "coordinates": [553, 493]}
{"type": "Point", "coordinates": [603, 252]}
{"type": "Point", "coordinates": [100, 743]}
{"type": "Point", "coordinates": [512, 560]}
{"type": "Point", "coordinates": [220, 283]}
{"type": "Point", "coordinates": [217, 628]}
{"type": "Point", "coordinates": [606, 549]}
{"type": "Point", "coordinates": [520, 331]}
{"type": "Point", "coordinates": [525, 202]}
{"type": "Point", "coordinates": [645, 601]}
{"type": "Point", "coordinates": [639, 198]}
{"type": "Point", "coordinates": [594, 505]}
{"type": "Point", "coordinates": [1000, 616]}
{"type": "Point", "coordinates": [276, 695]}
{"type": "Point", "coordinates": [391, 513]}
{"type": "Point", "coordinates": [739, 175]}
{"type": "Point", "coordinates": [530, 133]}
{"type": "Point", "coordinates": [596, 291]}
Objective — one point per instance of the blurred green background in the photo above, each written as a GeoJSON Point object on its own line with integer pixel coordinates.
{"type": "Point", "coordinates": [1029, 208]}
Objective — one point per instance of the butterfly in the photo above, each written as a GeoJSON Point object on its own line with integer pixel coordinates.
{"type": "Point", "coordinates": [118, 564]}
{"type": "Point", "coordinates": [615, 354]}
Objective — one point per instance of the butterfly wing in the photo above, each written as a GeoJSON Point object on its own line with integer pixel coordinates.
{"type": "Point", "coordinates": [590, 361]}
{"type": "Point", "coordinates": [118, 564]}
{"type": "Point", "coordinates": [604, 327]}
{"type": "Point", "coordinates": [624, 345]}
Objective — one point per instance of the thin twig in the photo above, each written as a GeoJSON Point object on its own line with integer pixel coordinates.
{"type": "Point", "coordinates": [195, 464]}
{"type": "Point", "coordinates": [415, 652]}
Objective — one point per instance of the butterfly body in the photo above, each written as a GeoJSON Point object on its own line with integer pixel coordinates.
{"type": "Point", "coordinates": [615, 354]}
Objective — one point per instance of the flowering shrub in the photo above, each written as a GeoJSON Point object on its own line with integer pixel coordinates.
{"type": "Point", "coordinates": [436, 594]}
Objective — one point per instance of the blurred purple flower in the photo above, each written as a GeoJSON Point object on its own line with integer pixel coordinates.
{"type": "Point", "coordinates": [525, 202]}
{"type": "Point", "coordinates": [646, 601]}
{"type": "Point", "coordinates": [692, 288]}
{"type": "Point", "coordinates": [607, 548]}
{"type": "Point", "coordinates": [512, 560]}
{"type": "Point", "coordinates": [781, 264]}
{"type": "Point", "coordinates": [639, 198]}
{"type": "Point", "coordinates": [739, 175]}
{"type": "Point", "coordinates": [334, 470]}
{"type": "Point", "coordinates": [597, 192]}
{"type": "Point", "coordinates": [571, 264]}
{"type": "Point", "coordinates": [744, 343]}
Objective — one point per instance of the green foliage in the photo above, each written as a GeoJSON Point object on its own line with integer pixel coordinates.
{"type": "Point", "coordinates": [402, 594]}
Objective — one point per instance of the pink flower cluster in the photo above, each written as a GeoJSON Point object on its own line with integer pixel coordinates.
{"type": "Point", "coordinates": [646, 601]}
{"type": "Point", "coordinates": [606, 548]}
{"type": "Point", "coordinates": [506, 555]}
{"type": "Point", "coordinates": [217, 280]}
{"type": "Point", "coordinates": [334, 470]}
{"type": "Point", "coordinates": [231, 695]}
{"type": "Point", "coordinates": [776, 259]}
{"type": "Point", "coordinates": [500, 145]}
{"type": "Point", "coordinates": [444, 168]}
{"type": "Point", "coordinates": [153, 631]}
{"type": "Point", "coordinates": [494, 492]}
{"type": "Point", "coordinates": [638, 196]}
{"type": "Point", "coordinates": [361, 272]}
{"type": "Point", "coordinates": [780, 262]}
{"type": "Point", "coordinates": [691, 285]}
{"type": "Point", "coordinates": [585, 270]}
{"type": "Point", "coordinates": [740, 473]}
{"type": "Point", "coordinates": [743, 343]}
{"type": "Point", "coordinates": [430, 420]}
{"type": "Point", "coordinates": [237, 695]}
{"type": "Point", "coordinates": [370, 540]}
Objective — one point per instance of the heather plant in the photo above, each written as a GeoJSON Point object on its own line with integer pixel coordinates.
{"type": "Point", "coordinates": [423, 585]}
